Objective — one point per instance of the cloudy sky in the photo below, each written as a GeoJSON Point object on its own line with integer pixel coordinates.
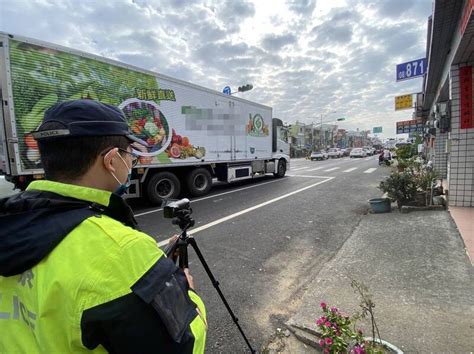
{"type": "Point", "coordinates": [304, 57]}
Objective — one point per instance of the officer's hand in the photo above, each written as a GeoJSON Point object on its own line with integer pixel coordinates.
{"type": "Point", "coordinates": [171, 241]}
{"type": "Point", "coordinates": [189, 277]}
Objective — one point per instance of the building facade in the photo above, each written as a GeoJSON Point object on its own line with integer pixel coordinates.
{"type": "Point", "coordinates": [448, 102]}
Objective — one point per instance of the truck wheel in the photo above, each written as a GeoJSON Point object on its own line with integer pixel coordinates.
{"type": "Point", "coordinates": [161, 186]}
{"type": "Point", "coordinates": [281, 169]}
{"type": "Point", "coordinates": [199, 182]}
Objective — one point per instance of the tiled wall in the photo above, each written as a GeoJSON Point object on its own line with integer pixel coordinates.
{"type": "Point", "coordinates": [461, 157]}
{"type": "Point", "coordinates": [440, 156]}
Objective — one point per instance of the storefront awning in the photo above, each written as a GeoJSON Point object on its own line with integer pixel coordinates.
{"type": "Point", "coordinates": [446, 16]}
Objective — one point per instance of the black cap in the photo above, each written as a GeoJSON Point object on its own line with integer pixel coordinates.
{"type": "Point", "coordinates": [85, 118]}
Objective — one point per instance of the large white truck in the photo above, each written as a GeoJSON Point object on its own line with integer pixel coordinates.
{"type": "Point", "coordinates": [194, 134]}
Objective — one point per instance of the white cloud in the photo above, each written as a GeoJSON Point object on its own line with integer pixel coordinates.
{"type": "Point", "coordinates": [304, 57]}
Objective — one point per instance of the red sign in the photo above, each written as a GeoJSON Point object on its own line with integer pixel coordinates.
{"type": "Point", "coordinates": [465, 80]}
{"type": "Point", "coordinates": [467, 15]}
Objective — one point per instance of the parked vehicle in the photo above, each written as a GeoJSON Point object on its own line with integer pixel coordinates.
{"type": "Point", "coordinates": [334, 153]}
{"type": "Point", "coordinates": [319, 155]}
{"type": "Point", "coordinates": [358, 152]}
{"type": "Point", "coordinates": [347, 152]}
{"type": "Point", "coordinates": [368, 151]}
{"type": "Point", "coordinates": [194, 134]}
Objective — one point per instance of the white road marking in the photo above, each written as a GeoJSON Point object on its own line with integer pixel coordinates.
{"type": "Point", "coordinates": [368, 158]}
{"type": "Point", "coordinates": [317, 168]}
{"type": "Point", "coordinates": [213, 196]}
{"type": "Point", "coordinates": [350, 169]}
{"type": "Point", "coordinates": [245, 211]}
{"type": "Point", "coordinates": [309, 176]}
{"type": "Point", "coordinates": [300, 168]}
{"type": "Point", "coordinates": [370, 170]}
{"type": "Point", "coordinates": [332, 169]}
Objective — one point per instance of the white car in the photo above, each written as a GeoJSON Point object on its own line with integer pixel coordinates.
{"type": "Point", "coordinates": [334, 153]}
{"type": "Point", "coordinates": [358, 152]}
{"type": "Point", "coordinates": [319, 155]}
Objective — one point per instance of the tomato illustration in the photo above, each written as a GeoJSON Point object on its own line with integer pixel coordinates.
{"type": "Point", "coordinates": [31, 142]}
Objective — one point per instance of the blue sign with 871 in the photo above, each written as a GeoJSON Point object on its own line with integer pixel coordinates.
{"type": "Point", "coordinates": [411, 69]}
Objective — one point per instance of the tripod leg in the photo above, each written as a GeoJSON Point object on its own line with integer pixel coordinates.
{"type": "Point", "coordinates": [215, 283]}
{"type": "Point", "coordinates": [183, 254]}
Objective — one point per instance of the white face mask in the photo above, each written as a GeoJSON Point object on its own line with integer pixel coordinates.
{"type": "Point", "coordinates": [122, 188]}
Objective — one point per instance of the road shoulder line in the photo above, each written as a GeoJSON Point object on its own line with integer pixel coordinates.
{"type": "Point", "coordinates": [245, 211]}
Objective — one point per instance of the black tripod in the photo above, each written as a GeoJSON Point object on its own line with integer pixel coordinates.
{"type": "Point", "coordinates": [184, 220]}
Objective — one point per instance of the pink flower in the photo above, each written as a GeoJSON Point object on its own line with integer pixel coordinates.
{"type": "Point", "coordinates": [319, 322]}
{"type": "Point", "coordinates": [328, 341]}
{"type": "Point", "coordinates": [321, 343]}
{"type": "Point", "coordinates": [326, 350]}
{"type": "Point", "coordinates": [327, 324]}
{"type": "Point", "coordinates": [333, 309]}
{"type": "Point", "coordinates": [323, 305]}
{"type": "Point", "coordinates": [359, 350]}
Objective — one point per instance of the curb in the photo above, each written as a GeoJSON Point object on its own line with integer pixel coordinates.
{"type": "Point", "coordinates": [305, 335]}
{"type": "Point", "coordinates": [406, 209]}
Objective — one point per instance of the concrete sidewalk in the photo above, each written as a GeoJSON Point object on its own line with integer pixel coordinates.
{"type": "Point", "coordinates": [421, 278]}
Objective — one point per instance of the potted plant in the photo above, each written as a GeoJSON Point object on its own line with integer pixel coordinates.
{"type": "Point", "coordinates": [424, 182]}
{"type": "Point", "coordinates": [402, 164]}
{"type": "Point", "coordinates": [340, 335]}
{"type": "Point", "coordinates": [400, 187]}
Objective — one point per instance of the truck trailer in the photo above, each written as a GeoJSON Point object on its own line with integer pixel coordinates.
{"type": "Point", "coordinates": [194, 135]}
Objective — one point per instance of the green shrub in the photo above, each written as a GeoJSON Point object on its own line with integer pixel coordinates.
{"type": "Point", "coordinates": [400, 187]}
{"type": "Point", "coordinates": [404, 152]}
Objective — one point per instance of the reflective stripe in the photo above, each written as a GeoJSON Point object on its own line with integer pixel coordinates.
{"type": "Point", "coordinates": [199, 325]}
{"type": "Point", "coordinates": [73, 191]}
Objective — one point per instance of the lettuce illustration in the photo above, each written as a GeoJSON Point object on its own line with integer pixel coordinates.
{"type": "Point", "coordinates": [43, 76]}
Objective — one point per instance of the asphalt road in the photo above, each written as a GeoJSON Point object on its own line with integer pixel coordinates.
{"type": "Point", "coordinates": [264, 240]}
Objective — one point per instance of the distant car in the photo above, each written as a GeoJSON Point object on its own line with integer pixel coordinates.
{"type": "Point", "coordinates": [334, 153]}
{"type": "Point", "coordinates": [368, 151]}
{"type": "Point", "coordinates": [358, 152]}
{"type": "Point", "coordinates": [319, 155]}
{"type": "Point", "coordinates": [347, 152]}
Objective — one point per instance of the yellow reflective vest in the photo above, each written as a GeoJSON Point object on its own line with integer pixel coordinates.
{"type": "Point", "coordinates": [99, 286]}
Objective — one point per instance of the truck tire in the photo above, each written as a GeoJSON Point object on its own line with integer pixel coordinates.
{"type": "Point", "coordinates": [281, 169]}
{"type": "Point", "coordinates": [161, 186]}
{"type": "Point", "coordinates": [199, 182]}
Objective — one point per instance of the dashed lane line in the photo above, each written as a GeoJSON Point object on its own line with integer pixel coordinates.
{"type": "Point", "coordinates": [309, 176]}
{"type": "Point", "coordinates": [299, 168]}
{"type": "Point", "coordinates": [315, 169]}
{"type": "Point", "coordinates": [332, 169]}
{"type": "Point", "coordinates": [350, 169]}
{"type": "Point", "coordinates": [370, 170]}
{"type": "Point", "coordinates": [245, 211]}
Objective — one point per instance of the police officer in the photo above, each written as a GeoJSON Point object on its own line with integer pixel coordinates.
{"type": "Point", "coordinates": [76, 275]}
